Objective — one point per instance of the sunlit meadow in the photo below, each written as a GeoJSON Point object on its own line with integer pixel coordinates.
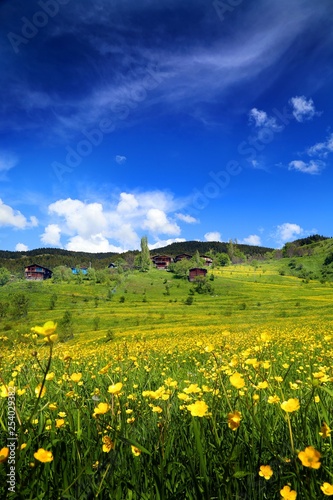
{"type": "Point", "coordinates": [207, 401]}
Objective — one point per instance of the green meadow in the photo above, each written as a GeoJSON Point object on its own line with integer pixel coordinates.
{"type": "Point", "coordinates": [157, 388]}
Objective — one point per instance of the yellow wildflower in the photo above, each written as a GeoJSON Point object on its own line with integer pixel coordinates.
{"type": "Point", "coordinates": [234, 420]}
{"type": "Point", "coordinates": [108, 445]}
{"type": "Point", "coordinates": [287, 493]}
{"type": "Point", "coordinates": [237, 380]}
{"type": "Point", "coordinates": [291, 405]}
{"type": "Point", "coordinates": [273, 399]}
{"type": "Point", "coordinates": [4, 452]}
{"type": "Point", "coordinates": [325, 431]}
{"type": "Point", "coordinates": [43, 455]}
{"type": "Point", "coordinates": [4, 391]}
{"type": "Point", "coordinates": [76, 377]}
{"type": "Point", "coordinates": [266, 471]}
{"type": "Point", "coordinates": [59, 422]}
{"type": "Point", "coordinates": [47, 330]}
{"type": "Point", "coordinates": [327, 489]}
{"type": "Point", "coordinates": [101, 409]}
{"type": "Point", "coordinates": [40, 391]}
{"type": "Point", "coordinates": [310, 457]}
{"type": "Point", "coordinates": [136, 451]}
{"type": "Point", "coordinates": [116, 388]}
{"type": "Point", "coordinates": [198, 409]}
{"type": "Point", "coordinates": [262, 385]}
{"type": "Point", "coordinates": [192, 389]}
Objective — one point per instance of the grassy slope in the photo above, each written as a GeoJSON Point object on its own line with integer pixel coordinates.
{"type": "Point", "coordinates": [243, 298]}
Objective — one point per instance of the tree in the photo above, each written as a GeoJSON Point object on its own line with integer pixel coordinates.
{"type": "Point", "coordinates": [144, 261]}
{"type": "Point", "coordinates": [230, 249]}
{"type": "Point", "coordinates": [197, 261]}
{"type": "Point", "coordinates": [181, 268]}
{"type": "Point", "coordinates": [4, 276]}
{"type": "Point", "coordinates": [66, 327]}
{"type": "Point", "coordinates": [61, 273]}
{"type": "Point", "coordinates": [19, 305]}
{"type": "Point", "coordinates": [223, 259]}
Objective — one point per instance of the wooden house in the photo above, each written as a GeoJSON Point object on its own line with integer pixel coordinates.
{"type": "Point", "coordinates": [208, 260]}
{"type": "Point", "coordinates": [36, 272]}
{"type": "Point", "coordinates": [196, 272]}
{"type": "Point", "coordinates": [161, 261]}
{"type": "Point", "coordinates": [183, 256]}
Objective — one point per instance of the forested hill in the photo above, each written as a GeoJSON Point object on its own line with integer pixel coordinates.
{"type": "Point", "coordinates": [203, 247]}
{"type": "Point", "coordinates": [15, 262]}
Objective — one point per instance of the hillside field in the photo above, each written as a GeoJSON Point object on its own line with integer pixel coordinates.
{"type": "Point", "coordinates": [156, 391]}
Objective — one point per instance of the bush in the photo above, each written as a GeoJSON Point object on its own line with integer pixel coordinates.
{"type": "Point", "coordinates": [19, 305]}
{"type": "Point", "coordinates": [66, 330]}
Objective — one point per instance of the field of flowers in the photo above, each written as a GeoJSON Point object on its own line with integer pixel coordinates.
{"type": "Point", "coordinates": [193, 415]}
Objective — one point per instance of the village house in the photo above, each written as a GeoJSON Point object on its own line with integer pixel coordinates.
{"type": "Point", "coordinates": [196, 272]}
{"type": "Point", "coordinates": [161, 261]}
{"type": "Point", "coordinates": [183, 256]}
{"type": "Point", "coordinates": [79, 270]}
{"type": "Point", "coordinates": [208, 260]}
{"type": "Point", "coordinates": [36, 272]}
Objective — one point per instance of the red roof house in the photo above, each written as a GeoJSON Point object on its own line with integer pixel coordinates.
{"type": "Point", "coordinates": [36, 272]}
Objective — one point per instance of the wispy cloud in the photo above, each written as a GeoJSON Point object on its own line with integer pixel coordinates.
{"type": "Point", "coordinates": [121, 160]}
{"type": "Point", "coordinates": [186, 218]}
{"type": "Point", "coordinates": [7, 162]}
{"type": "Point", "coordinates": [189, 71]}
{"type": "Point", "coordinates": [260, 119]}
{"type": "Point", "coordinates": [302, 108]}
{"type": "Point", "coordinates": [313, 167]}
{"type": "Point", "coordinates": [322, 149]}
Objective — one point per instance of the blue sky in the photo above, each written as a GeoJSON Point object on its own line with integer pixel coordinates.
{"type": "Point", "coordinates": [193, 120]}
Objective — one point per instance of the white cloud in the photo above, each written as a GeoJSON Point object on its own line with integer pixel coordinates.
{"type": "Point", "coordinates": [116, 226]}
{"type": "Point", "coordinates": [128, 203]}
{"type": "Point", "coordinates": [187, 218]}
{"type": "Point", "coordinates": [14, 218]}
{"type": "Point", "coordinates": [82, 218]}
{"type": "Point", "coordinates": [213, 236]}
{"type": "Point", "coordinates": [288, 231]}
{"type": "Point", "coordinates": [157, 222]}
{"type": "Point", "coordinates": [51, 235]}
{"type": "Point", "coordinates": [164, 243]}
{"type": "Point", "coordinates": [121, 160]}
{"type": "Point", "coordinates": [314, 167]}
{"type": "Point", "coordinates": [96, 243]}
{"type": "Point", "coordinates": [303, 109]}
{"type": "Point", "coordinates": [253, 239]}
{"type": "Point", "coordinates": [322, 149]}
{"type": "Point", "coordinates": [21, 247]}
{"type": "Point", "coordinates": [260, 119]}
